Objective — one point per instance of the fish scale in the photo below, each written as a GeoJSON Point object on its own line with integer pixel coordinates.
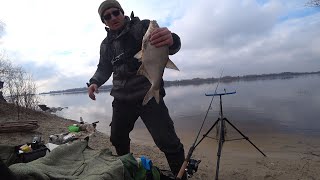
{"type": "Point", "coordinates": [153, 62]}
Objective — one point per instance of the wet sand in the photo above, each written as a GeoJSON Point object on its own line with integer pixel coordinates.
{"type": "Point", "coordinates": [289, 155]}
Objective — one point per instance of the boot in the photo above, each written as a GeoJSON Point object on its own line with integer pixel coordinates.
{"type": "Point", "coordinates": [121, 152]}
{"type": "Point", "coordinates": [122, 149]}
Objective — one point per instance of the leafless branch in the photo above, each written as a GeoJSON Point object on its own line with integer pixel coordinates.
{"type": "Point", "coordinates": [313, 3]}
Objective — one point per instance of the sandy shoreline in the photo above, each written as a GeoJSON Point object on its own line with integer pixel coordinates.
{"type": "Point", "coordinates": [289, 156]}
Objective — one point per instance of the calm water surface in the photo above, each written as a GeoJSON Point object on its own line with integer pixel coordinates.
{"type": "Point", "coordinates": [282, 105]}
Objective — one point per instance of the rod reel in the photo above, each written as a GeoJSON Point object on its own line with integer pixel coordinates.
{"type": "Point", "coordinates": [192, 167]}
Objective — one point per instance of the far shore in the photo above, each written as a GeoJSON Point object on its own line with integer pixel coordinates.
{"type": "Point", "coordinates": [198, 81]}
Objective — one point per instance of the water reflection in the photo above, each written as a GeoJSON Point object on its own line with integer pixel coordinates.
{"type": "Point", "coordinates": [79, 105]}
{"type": "Point", "coordinates": [263, 105]}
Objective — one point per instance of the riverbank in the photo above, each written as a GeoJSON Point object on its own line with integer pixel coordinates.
{"type": "Point", "coordinates": [289, 156]}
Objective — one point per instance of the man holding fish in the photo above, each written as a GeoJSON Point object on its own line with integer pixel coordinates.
{"type": "Point", "coordinates": [136, 52]}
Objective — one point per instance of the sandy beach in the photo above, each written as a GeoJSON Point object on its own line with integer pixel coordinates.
{"type": "Point", "coordinates": [289, 155]}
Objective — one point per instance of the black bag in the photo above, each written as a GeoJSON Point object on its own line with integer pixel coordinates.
{"type": "Point", "coordinates": [37, 152]}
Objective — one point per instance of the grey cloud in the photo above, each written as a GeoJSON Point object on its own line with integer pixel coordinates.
{"type": "Point", "coordinates": [225, 25]}
{"type": "Point", "coordinates": [298, 41]}
{"type": "Point", "coordinates": [63, 82]}
{"type": "Point", "coordinates": [246, 39]}
{"type": "Point", "coordinates": [41, 72]}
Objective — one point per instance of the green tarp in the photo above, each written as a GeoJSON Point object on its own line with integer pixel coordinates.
{"type": "Point", "coordinates": [75, 161]}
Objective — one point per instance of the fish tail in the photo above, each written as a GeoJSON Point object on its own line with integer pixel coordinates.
{"type": "Point", "coordinates": [150, 94]}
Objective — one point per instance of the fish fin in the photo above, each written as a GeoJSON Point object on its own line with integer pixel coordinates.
{"type": "Point", "coordinates": [150, 94]}
{"type": "Point", "coordinates": [145, 42]}
{"type": "Point", "coordinates": [171, 65]}
{"type": "Point", "coordinates": [138, 55]}
{"type": "Point", "coordinates": [142, 71]}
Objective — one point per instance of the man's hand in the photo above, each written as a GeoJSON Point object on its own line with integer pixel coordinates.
{"type": "Point", "coordinates": [161, 37]}
{"type": "Point", "coordinates": [93, 88]}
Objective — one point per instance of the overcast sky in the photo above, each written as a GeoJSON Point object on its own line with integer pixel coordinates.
{"type": "Point", "coordinates": [58, 41]}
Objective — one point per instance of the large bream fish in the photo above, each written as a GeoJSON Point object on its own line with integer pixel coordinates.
{"type": "Point", "coordinates": [154, 60]}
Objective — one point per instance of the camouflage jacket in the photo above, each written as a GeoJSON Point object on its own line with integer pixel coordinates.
{"type": "Point", "coordinates": [117, 52]}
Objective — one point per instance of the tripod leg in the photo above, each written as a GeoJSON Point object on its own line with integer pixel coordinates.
{"type": "Point", "coordinates": [245, 137]}
{"type": "Point", "coordinates": [218, 160]}
{"type": "Point", "coordinates": [221, 141]}
{"type": "Point", "coordinates": [185, 163]}
{"type": "Point", "coordinates": [206, 134]}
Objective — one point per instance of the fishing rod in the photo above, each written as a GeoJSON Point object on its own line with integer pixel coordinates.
{"type": "Point", "coordinates": [196, 143]}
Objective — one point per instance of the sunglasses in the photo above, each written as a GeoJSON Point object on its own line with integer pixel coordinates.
{"type": "Point", "coordinates": [115, 13]}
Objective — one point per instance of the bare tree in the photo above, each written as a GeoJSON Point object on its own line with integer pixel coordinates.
{"type": "Point", "coordinates": [19, 87]}
{"type": "Point", "coordinates": [313, 3]}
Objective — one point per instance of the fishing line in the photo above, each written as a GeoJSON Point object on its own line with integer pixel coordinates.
{"type": "Point", "coordinates": [210, 105]}
{"type": "Point", "coordinates": [191, 165]}
{"type": "Point", "coordinates": [192, 148]}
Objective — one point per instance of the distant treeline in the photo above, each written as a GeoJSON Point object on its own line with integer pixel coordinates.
{"type": "Point", "coordinates": [198, 81]}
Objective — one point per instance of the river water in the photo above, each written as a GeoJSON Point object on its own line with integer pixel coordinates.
{"type": "Point", "coordinates": [264, 106]}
